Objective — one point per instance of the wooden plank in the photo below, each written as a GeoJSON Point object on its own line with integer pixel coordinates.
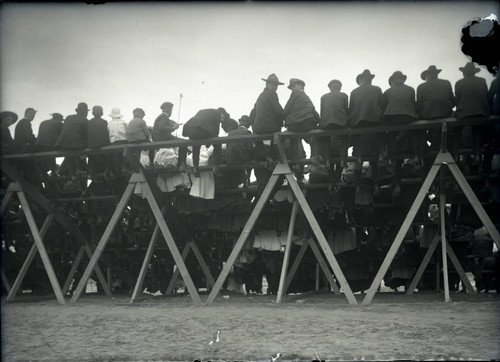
{"type": "Point", "coordinates": [29, 259]}
{"type": "Point", "coordinates": [442, 224]}
{"type": "Point", "coordinates": [47, 205]}
{"type": "Point", "coordinates": [82, 285]}
{"type": "Point", "coordinates": [321, 239]}
{"type": "Point", "coordinates": [171, 243]}
{"type": "Point", "coordinates": [423, 265]}
{"type": "Point", "coordinates": [145, 262]}
{"type": "Point", "coordinates": [203, 264]}
{"type": "Point", "coordinates": [286, 255]}
{"type": "Point", "coordinates": [41, 248]}
{"type": "Point", "coordinates": [469, 193]}
{"type": "Point", "coordinates": [324, 267]}
{"type": "Point", "coordinates": [459, 268]}
{"type": "Point", "coordinates": [7, 197]}
{"type": "Point", "coordinates": [401, 233]}
{"type": "Point", "coordinates": [296, 263]}
{"type": "Point", "coordinates": [242, 238]}
{"type": "Point", "coordinates": [176, 273]}
{"type": "Point", "coordinates": [74, 267]}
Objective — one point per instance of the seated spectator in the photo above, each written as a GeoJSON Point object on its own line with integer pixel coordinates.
{"type": "Point", "coordinates": [98, 137]}
{"type": "Point", "coordinates": [238, 153]}
{"type": "Point", "coordinates": [7, 119]}
{"type": "Point", "coordinates": [117, 129]}
{"type": "Point", "coordinates": [24, 142]}
{"type": "Point", "coordinates": [137, 132]}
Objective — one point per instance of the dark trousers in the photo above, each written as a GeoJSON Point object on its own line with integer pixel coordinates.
{"type": "Point", "coordinates": [296, 149]}
{"type": "Point", "coordinates": [197, 133]}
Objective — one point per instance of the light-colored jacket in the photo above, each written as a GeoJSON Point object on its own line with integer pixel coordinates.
{"type": "Point", "coordinates": [117, 128]}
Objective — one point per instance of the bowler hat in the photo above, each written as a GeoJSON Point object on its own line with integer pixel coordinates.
{"type": "Point", "coordinates": [166, 105]}
{"type": "Point", "coordinates": [58, 116]}
{"type": "Point", "coordinates": [397, 75]}
{"type": "Point", "coordinates": [82, 106]}
{"type": "Point", "coordinates": [115, 113]}
{"type": "Point", "coordinates": [245, 120]}
{"type": "Point", "coordinates": [366, 74]}
{"type": "Point", "coordinates": [469, 68]}
{"type": "Point", "coordinates": [6, 114]}
{"type": "Point", "coordinates": [296, 80]}
{"type": "Point", "coordinates": [432, 69]}
{"type": "Point", "coordinates": [334, 82]}
{"type": "Point", "coordinates": [273, 79]}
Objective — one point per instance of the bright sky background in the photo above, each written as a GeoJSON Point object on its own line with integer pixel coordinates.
{"type": "Point", "coordinates": [130, 55]}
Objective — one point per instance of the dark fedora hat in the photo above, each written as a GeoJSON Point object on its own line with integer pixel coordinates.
{"type": "Point", "coordinates": [294, 81]}
{"type": "Point", "coordinates": [245, 120]}
{"type": "Point", "coordinates": [6, 114]}
{"type": "Point", "coordinates": [397, 75]}
{"type": "Point", "coordinates": [432, 69]}
{"type": "Point", "coordinates": [334, 82]}
{"type": "Point", "coordinates": [469, 68]}
{"type": "Point", "coordinates": [272, 79]}
{"type": "Point", "coordinates": [366, 74]}
{"type": "Point", "coordinates": [82, 106]}
{"type": "Point", "coordinates": [166, 105]}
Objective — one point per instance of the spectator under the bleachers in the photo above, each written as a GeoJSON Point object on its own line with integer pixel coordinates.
{"type": "Point", "coordinates": [205, 124]}
{"type": "Point", "coordinates": [137, 132]}
{"type": "Point", "coordinates": [365, 110]}
{"type": "Point", "coordinates": [74, 136]}
{"type": "Point", "coordinates": [117, 130]}
{"type": "Point", "coordinates": [435, 100]}
{"type": "Point", "coordinates": [162, 131]}
{"type": "Point", "coordinates": [48, 134]}
{"type": "Point", "coordinates": [98, 137]}
{"type": "Point", "coordinates": [333, 113]}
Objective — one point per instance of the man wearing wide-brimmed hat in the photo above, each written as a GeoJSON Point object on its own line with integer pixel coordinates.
{"type": "Point", "coordinates": [48, 134]}
{"type": "Point", "coordinates": [266, 117]}
{"type": "Point", "coordinates": [471, 95]}
{"type": "Point", "coordinates": [300, 116]}
{"type": "Point", "coordinates": [74, 136]}
{"type": "Point", "coordinates": [365, 110]}
{"type": "Point", "coordinates": [7, 119]}
{"type": "Point", "coordinates": [400, 108]}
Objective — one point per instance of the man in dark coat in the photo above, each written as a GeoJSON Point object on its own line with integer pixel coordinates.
{"type": "Point", "coordinates": [471, 96]}
{"type": "Point", "coordinates": [266, 117]}
{"type": "Point", "coordinates": [400, 108]}
{"type": "Point", "coordinates": [205, 124]}
{"type": "Point", "coordinates": [435, 99]}
{"type": "Point", "coordinates": [48, 134]}
{"type": "Point", "coordinates": [333, 113]}
{"type": "Point", "coordinates": [98, 137]}
{"type": "Point", "coordinates": [7, 119]}
{"type": "Point", "coordinates": [24, 142]}
{"type": "Point", "coordinates": [74, 136]}
{"type": "Point", "coordinates": [300, 116]}
{"type": "Point", "coordinates": [162, 131]}
{"type": "Point", "coordinates": [365, 110]}
{"type": "Point", "coordinates": [238, 153]}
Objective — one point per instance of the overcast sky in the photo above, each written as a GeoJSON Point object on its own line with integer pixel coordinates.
{"type": "Point", "coordinates": [130, 55]}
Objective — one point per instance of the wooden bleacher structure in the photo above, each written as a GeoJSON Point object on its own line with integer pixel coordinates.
{"type": "Point", "coordinates": [321, 250]}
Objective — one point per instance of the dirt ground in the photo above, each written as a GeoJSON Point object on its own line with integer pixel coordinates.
{"type": "Point", "coordinates": [253, 328]}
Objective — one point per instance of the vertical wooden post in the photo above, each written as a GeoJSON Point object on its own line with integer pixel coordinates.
{"type": "Point", "coordinates": [296, 263]}
{"type": "Point", "coordinates": [442, 224]}
{"type": "Point", "coordinates": [288, 248]}
{"type": "Point", "coordinates": [145, 262]}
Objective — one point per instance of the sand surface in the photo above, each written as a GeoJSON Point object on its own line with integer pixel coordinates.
{"type": "Point", "coordinates": [253, 327]}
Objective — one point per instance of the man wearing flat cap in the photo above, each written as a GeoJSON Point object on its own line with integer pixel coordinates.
{"type": "Point", "coordinates": [435, 99]}
{"type": "Point", "coordinates": [266, 117]}
{"type": "Point", "coordinates": [471, 96]}
{"type": "Point", "coordinates": [162, 131]}
{"type": "Point", "coordinates": [74, 136]}
{"type": "Point", "coordinates": [48, 134]}
{"type": "Point", "coordinates": [333, 113]}
{"type": "Point", "coordinates": [365, 110]}
{"type": "Point", "coordinates": [300, 116]}
{"type": "Point", "coordinates": [24, 142]}
{"type": "Point", "coordinates": [7, 119]}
